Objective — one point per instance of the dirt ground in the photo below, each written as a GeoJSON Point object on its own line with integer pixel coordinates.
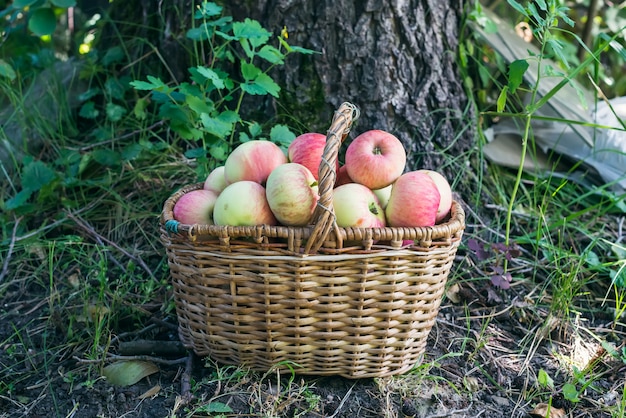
{"type": "Point", "coordinates": [483, 358]}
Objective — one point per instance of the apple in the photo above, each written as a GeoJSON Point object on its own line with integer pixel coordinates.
{"type": "Point", "coordinates": [357, 206]}
{"type": "Point", "coordinates": [243, 203]}
{"type": "Point", "coordinates": [414, 201]}
{"type": "Point", "coordinates": [307, 149]}
{"type": "Point", "coordinates": [445, 191]}
{"type": "Point", "coordinates": [292, 194]}
{"type": "Point", "coordinates": [375, 159]}
{"type": "Point", "coordinates": [254, 161]}
{"type": "Point", "coordinates": [216, 181]}
{"type": "Point", "coordinates": [195, 207]}
{"type": "Point", "coordinates": [342, 176]}
{"type": "Point", "coordinates": [383, 195]}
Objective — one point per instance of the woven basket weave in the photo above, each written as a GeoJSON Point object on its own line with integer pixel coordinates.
{"type": "Point", "coordinates": [320, 299]}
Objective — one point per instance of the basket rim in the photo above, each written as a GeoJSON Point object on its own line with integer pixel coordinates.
{"type": "Point", "coordinates": [445, 231]}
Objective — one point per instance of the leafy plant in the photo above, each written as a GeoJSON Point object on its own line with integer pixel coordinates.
{"type": "Point", "coordinates": [207, 109]}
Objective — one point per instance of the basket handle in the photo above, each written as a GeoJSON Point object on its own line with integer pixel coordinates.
{"type": "Point", "coordinates": [324, 216]}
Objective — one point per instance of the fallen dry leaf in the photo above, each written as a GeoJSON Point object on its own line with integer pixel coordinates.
{"type": "Point", "coordinates": [544, 410]}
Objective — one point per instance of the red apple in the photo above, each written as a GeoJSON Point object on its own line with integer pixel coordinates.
{"type": "Point", "coordinates": [414, 201]}
{"type": "Point", "coordinates": [375, 159]}
{"type": "Point", "coordinates": [357, 206]}
{"type": "Point", "coordinates": [342, 176]}
{"type": "Point", "coordinates": [292, 194]}
{"type": "Point", "coordinates": [307, 149]}
{"type": "Point", "coordinates": [445, 191]}
{"type": "Point", "coordinates": [216, 181]}
{"type": "Point", "coordinates": [243, 203]}
{"type": "Point", "coordinates": [254, 161]}
{"type": "Point", "coordinates": [195, 207]}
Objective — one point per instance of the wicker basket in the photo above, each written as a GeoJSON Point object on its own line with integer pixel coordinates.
{"type": "Point", "coordinates": [321, 299]}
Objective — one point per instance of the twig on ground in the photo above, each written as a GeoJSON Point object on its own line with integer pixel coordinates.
{"type": "Point", "coordinates": [455, 411]}
{"type": "Point", "coordinates": [5, 264]}
{"type": "Point", "coordinates": [150, 347]}
{"type": "Point", "coordinates": [123, 335]}
{"type": "Point", "coordinates": [115, 357]}
{"type": "Point", "coordinates": [88, 228]}
{"type": "Point", "coordinates": [185, 380]}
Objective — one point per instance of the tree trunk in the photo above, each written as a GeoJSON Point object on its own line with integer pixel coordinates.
{"type": "Point", "coordinates": [395, 60]}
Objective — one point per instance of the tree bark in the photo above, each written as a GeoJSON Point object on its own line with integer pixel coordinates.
{"type": "Point", "coordinates": [395, 60]}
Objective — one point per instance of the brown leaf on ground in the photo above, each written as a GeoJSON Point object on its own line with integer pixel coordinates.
{"type": "Point", "coordinates": [544, 410]}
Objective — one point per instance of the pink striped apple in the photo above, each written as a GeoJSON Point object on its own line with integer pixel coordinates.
{"type": "Point", "coordinates": [292, 194]}
{"type": "Point", "coordinates": [254, 161]}
{"type": "Point", "coordinates": [414, 201]}
{"type": "Point", "coordinates": [444, 191]}
{"type": "Point", "coordinates": [195, 207]}
{"type": "Point", "coordinates": [375, 159]}
{"type": "Point", "coordinates": [307, 149]}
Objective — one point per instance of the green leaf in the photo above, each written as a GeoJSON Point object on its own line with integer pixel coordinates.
{"type": "Point", "coordinates": [19, 200]}
{"type": "Point", "coordinates": [251, 30]}
{"type": "Point", "coordinates": [262, 84]}
{"type": "Point", "coordinates": [618, 278]}
{"type": "Point", "coordinates": [282, 135]}
{"type": "Point", "coordinates": [570, 393]}
{"type": "Point", "coordinates": [115, 112]}
{"type": "Point", "coordinates": [249, 71]}
{"type": "Point", "coordinates": [209, 74]}
{"type": "Point", "coordinates": [153, 83]}
{"type": "Point", "coordinates": [557, 48]}
{"type": "Point", "coordinates": [88, 111]}
{"type": "Point", "coordinates": [195, 153]}
{"type": "Point", "coordinates": [501, 103]}
{"type": "Point", "coordinates": [518, 7]}
{"type": "Point", "coordinates": [198, 105]}
{"type": "Point", "coordinates": [197, 34]}
{"type": "Point", "coordinates": [544, 379]}
{"type": "Point", "coordinates": [113, 56]}
{"type": "Point", "coordinates": [20, 4]}
{"type": "Point", "coordinates": [271, 54]}
{"type": "Point", "coordinates": [43, 21]}
{"type": "Point", "coordinates": [6, 70]}
{"type": "Point", "coordinates": [301, 50]}
{"type": "Point", "coordinates": [37, 175]}
{"type": "Point", "coordinates": [127, 373]}
{"type": "Point", "coordinates": [107, 157]}
{"type": "Point", "coordinates": [219, 151]}
{"type": "Point", "coordinates": [207, 9]}
{"type": "Point", "coordinates": [114, 88]}
{"type": "Point", "coordinates": [139, 110]}
{"type": "Point", "coordinates": [64, 3]}
{"type": "Point", "coordinates": [542, 5]}
{"type": "Point", "coordinates": [215, 126]}
{"type": "Point", "coordinates": [215, 408]}
{"type": "Point", "coordinates": [517, 69]}
{"type": "Point", "coordinates": [229, 116]}
{"type": "Point", "coordinates": [89, 94]}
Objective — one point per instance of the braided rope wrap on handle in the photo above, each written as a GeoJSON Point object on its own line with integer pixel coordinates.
{"type": "Point", "coordinates": [324, 216]}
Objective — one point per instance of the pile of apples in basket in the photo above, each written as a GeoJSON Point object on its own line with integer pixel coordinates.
{"type": "Point", "coordinates": [260, 184]}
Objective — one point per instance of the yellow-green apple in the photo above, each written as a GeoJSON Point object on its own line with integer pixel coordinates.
{"type": "Point", "coordinates": [216, 181]}
{"type": "Point", "coordinates": [375, 159]}
{"type": "Point", "coordinates": [253, 160]}
{"type": "Point", "coordinates": [342, 176]}
{"type": "Point", "coordinates": [195, 207]}
{"type": "Point", "coordinates": [292, 194]}
{"type": "Point", "coordinates": [243, 203]}
{"type": "Point", "coordinates": [307, 149]}
{"type": "Point", "coordinates": [383, 195]}
{"type": "Point", "coordinates": [357, 206]}
{"type": "Point", "coordinates": [445, 192]}
{"type": "Point", "coordinates": [414, 201]}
